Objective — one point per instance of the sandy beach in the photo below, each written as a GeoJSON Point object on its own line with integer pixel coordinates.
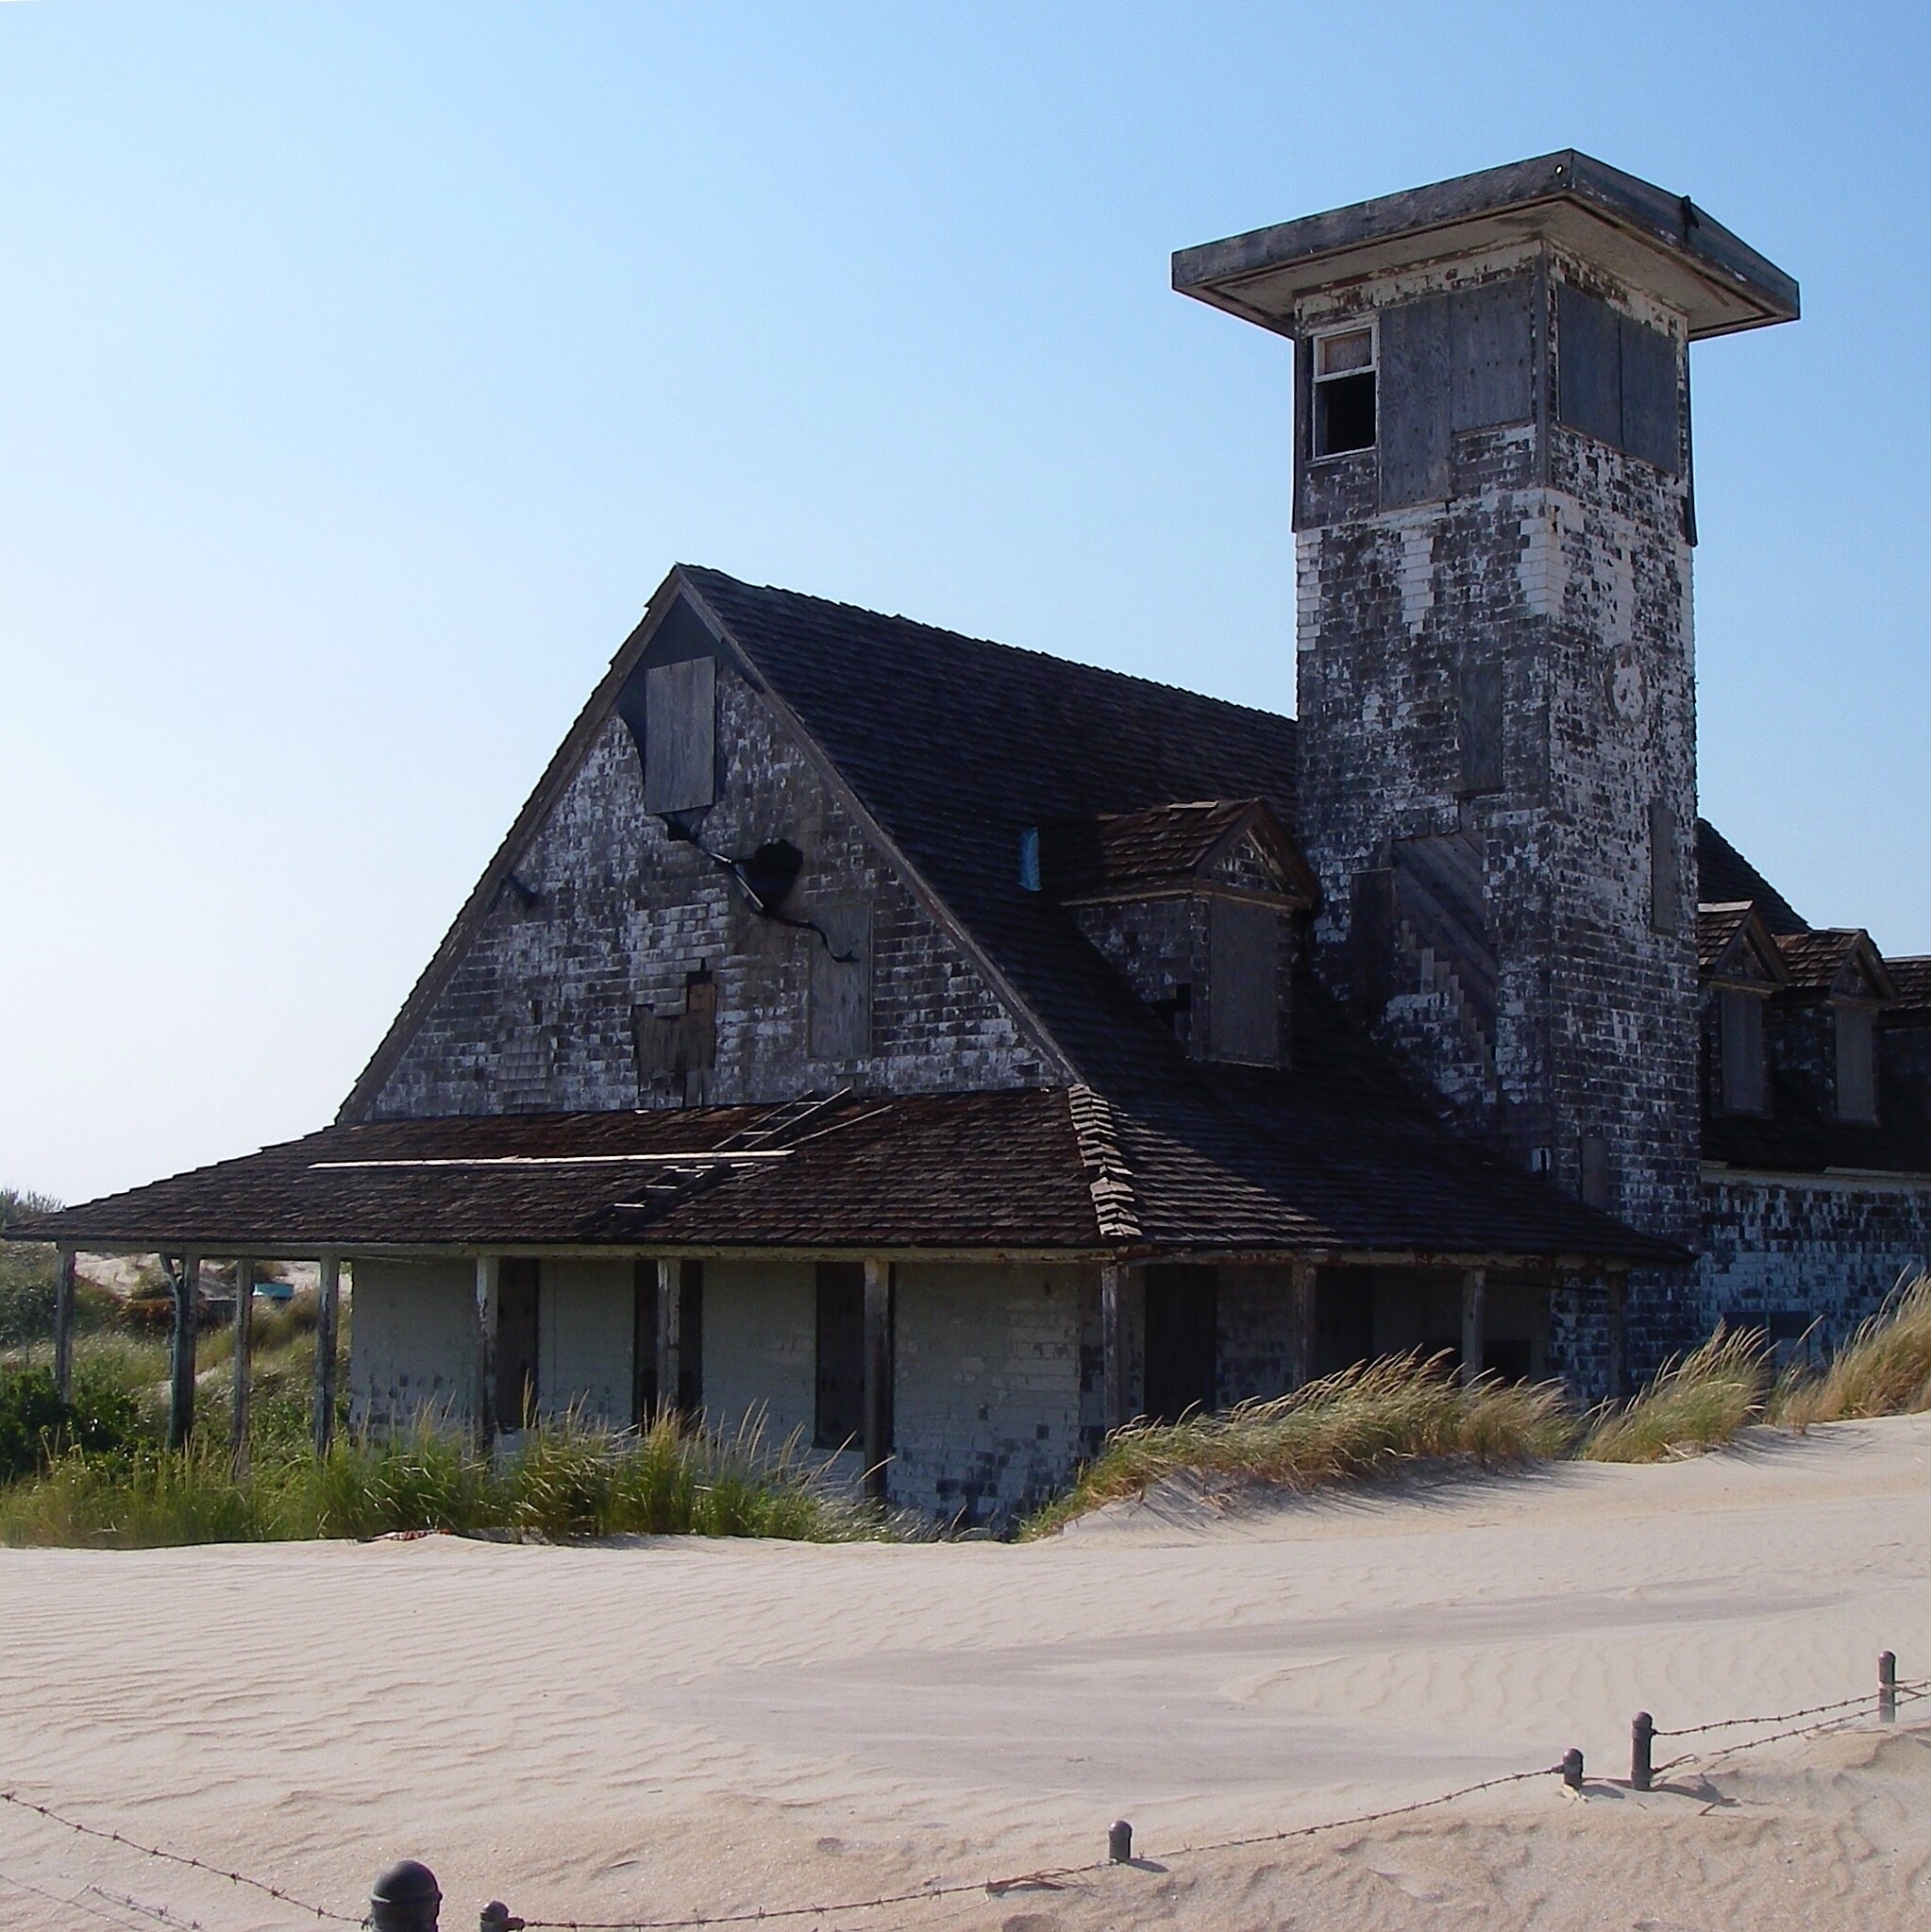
{"type": "Point", "coordinates": [670, 1728]}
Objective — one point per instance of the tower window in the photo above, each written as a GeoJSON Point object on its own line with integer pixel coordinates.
{"type": "Point", "coordinates": [1344, 391]}
{"type": "Point", "coordinates": [1856, 1064]}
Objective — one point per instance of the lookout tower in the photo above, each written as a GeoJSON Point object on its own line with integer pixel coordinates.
{"type": "Point", "coordinates": [1494, 518]}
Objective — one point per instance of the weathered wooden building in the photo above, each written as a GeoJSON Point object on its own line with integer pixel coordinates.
{"type": "Point", "coordinates": [947, 1051]}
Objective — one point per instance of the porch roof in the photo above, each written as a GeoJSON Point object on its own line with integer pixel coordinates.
{"type": "Point", "coordinates": [1046, 1171]}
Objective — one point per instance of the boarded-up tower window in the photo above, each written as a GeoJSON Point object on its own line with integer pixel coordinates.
{"type": "Point", "coordinates": [840, 986]}
{"type": "Point", "coordinates": [1480, 713]}
{"type": "Point", "coordinates": [1740, 1018]}
{"type": "Point", "coordinates": [840, 1419]}
{"type": "Point", "coordinates": [1595, 1175]}
{"type": "Point", "coordinates": [1244, 983]}
{"type": "Point", "coordinates": [681, 735]}
{"type": "Point", "coordinates": [1666, 870]}
{"type": "Point", "coordinates": [1857, 1064]}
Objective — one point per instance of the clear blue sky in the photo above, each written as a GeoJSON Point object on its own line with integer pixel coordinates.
{"type": "Point", "coordinates": [364, 366]}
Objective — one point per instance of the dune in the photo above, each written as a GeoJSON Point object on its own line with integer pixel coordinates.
{"type": "Point", "coordinates": [658, 1729]}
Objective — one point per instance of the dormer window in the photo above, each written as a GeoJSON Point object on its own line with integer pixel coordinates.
{"type": "Point", "coordinates": [1857, 1044]}
{"type": "Point", "coordinates": [1740, 1073]}
{"type": "Point", "coordinates": [1344, 378]}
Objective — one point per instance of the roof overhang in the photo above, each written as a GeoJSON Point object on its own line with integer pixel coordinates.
{"type": "Point", "coordinates": [1658, 241]}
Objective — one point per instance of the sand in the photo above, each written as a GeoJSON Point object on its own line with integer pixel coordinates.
{"type": "Point", "coordinates": [668, 1727]}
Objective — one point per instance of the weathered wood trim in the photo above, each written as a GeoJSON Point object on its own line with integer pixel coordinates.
{"type": "Point", "coordinates": [1474, 1321]}
{"type": "Point", "coordinates": [1615, 1288]}
{"type": "Point", "coordinates": [670, 1332]}
{"type": "Point", "coordinates": [63, 1326]}
{"type": "Point", "coordinates": [242, 1400]}
{"type": "Point", "coordinates": [489, 1304]}
{"type": "Point", "coordinates": [1114, 1347]}
{"type": "Point", "coordinates": [181, 1367]}
{"type": "Point", "coordinates": [328, 1326]}
{"type": "Point", "coordinates": [1303, 1284]}
{"type": "Point", "coordinates": [879, 1368]}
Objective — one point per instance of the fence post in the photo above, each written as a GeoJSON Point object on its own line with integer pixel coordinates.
{"type": "Point", "coordinates": [1886, 1687]}
{"type": "Point", "coordinates": [1642, 1738]}
{"type": "Point", "coordinates": [1573, 1769]}
{"type": "Point", "coordinates": [1119, 1842]}
{"type": "Point", "coordinates": [497, 1917]}
{"type": "Point", "coordinates": [406, 1899]}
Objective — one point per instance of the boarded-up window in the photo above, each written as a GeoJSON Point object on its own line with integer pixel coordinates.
{"type": "Point", "coordinates": [1666, 869]}
{"type": "Point", "coordinates": [1741, 1022]}
{"type": "Point", "coordinates": [672, 1042]}
{"type": "Point", "coordinates": [1415, 402]}
{"type": "Point", "coordinates": [1481, 710]}
{"type": "Point", "coordinates": [681, 735]}
{"type": "Point", "coordinates": [1595, 1175]}
{"type": "Point", "coordinates": [1244, 982]}
{"type": "Point", "coordinates": [1182, 1340]}
{"type": "Point", "coordinates": [645, 1332]}
{"type": "Point", "coordinates": [840, 985]}
{"type": "Point", "coordinates": [840, 1419]}
{"type": "Point", "coordinates": [1490, 344]}
{"type": "Point", "coordinates": [1857, 1064]}
{"type": "Point", "coordinates": [1652, 409]}
{"type": "Point", "coordinates": [517, 1284]}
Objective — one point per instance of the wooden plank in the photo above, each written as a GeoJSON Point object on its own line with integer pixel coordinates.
{"type": "Point", "coordinates": [1491, 349]}
{"type": "Point", "coordinates": [670, 1310]}
{"type": "Point", "coordinates": [488, 1285]}
{"type": "Point", "coordinates": [1113, 1347]}
{"type": "Point", "coordinates": [63, 1326]}
{"type": "Point", "coordinates": [878, 1378]}
{"type": "Point", "coordinates": [1588, 353]}
{"type": "Point", "coordinates": [1474, 1321]}
{"type": "Point", "coordinates": [681, 735]}
{"type": "Point", "coordinates": [328, 1326]}
{"type": "Point", "coordinates": [1413, 400]}
{"type": "Point", "coordinates": [1651, 395]}
{"type": "Point", "coordinates": [1482, 726]}
{"type": "Point", "coordinates": [1244, 982]}
{"type": "Point", "coordinates": [1616, 1292]}
{"type": "Point", "coordinates": [841, 984]}
{"type": "Point", "coordinates": [244, 1368]}
{"type": "Point", "coordinates": [181, 1375]}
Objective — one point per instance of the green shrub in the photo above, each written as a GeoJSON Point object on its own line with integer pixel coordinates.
{"type": "Point", "coordinates": [36, 1426]}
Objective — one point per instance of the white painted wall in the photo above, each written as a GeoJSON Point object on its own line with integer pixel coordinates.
{"type": "Point", "coordinates": [412, 1342]}
{"type": "Point", "coordinates": [586, 1344]}
{"type": "Point", "coordinates": [761, 1348]}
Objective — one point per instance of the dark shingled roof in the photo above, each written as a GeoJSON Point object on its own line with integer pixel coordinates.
{"type": "Point", "coordinates": [955, 747]}
{"type": "Point", "coordinates": [1724, 876]}
{"type": "Point", "coordinates": [1912, 979]}
{"type": "Point", "coordinates": [1716, 927]}
{"type": "Point", "coordinates": [1815, 959]}
{"type": "Point", "coordinates": [1124, 851]}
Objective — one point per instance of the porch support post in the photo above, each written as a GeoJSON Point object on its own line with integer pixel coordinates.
{"type": "Point", "coordinates": [877, 1377]}
{"type": "Point", "coordinates": [63, 1327]}
{"type": "Point", "coordinates": [670, 1333]}
{"type": "Point", "coordinates": [328, 1319]}
{"type": "Point", "coordinates": [1300, 1324]}
{"type": "Point", "coordinates": [488, 1307]}
{"type": "Point", "coordinates": [244, 1369]}
{"type": "Point", "coordinates": [1112, 1346]}
{"type": "Point", "coordinates": [1474, 1297]}
{"type": "Point", "coordinates": [1615, 1290]}
{"type": "Point", "coordinates": [181, 1374]}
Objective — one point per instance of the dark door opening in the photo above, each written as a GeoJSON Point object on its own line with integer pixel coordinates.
{"type": "Point", "coordinates": [643, 1343]}
{"type": "Point", "coordinates": [1343, 1319]}
{"type": "Point", "coordinates": [840, 1420]}
{"type": "Point", "coordinates": [517, 1292]}
{"type": "Point", "coordinates": [1183, 1330]}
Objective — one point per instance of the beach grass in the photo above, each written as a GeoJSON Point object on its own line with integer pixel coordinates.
{"type": "Point", "coordinates": [1365, 1420]}
{"type": "Point", "coordinates": [1696, 1402]}
{"type": "Point", "coordinates": [1884, 1369]}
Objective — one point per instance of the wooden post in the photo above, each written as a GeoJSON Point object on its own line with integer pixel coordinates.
{"type": "Point", "coordinates": [244, 1368]}
{"type": "Point", "coordinates": [1112, 1346]}
{"type": "Point", "coordinates": [670, 1335]}
{"type": "Point", "coordinates": [328, 1321]}
{"type": "Point", "coordinates": [63, 1327]}
{"type": "Point", "coordinates": [877, 1377]}
{"type": "Point", "coordinates": [1886, 1687]}
{"type": "Point", "coordinates": [1614, 1289]}
{"type": "Point", "coordinates": [181, 1378]}
{"type": "Point", "coordinates": [1474, 1294]}
{"type": "Point", "coordinates": [1300, 1319]}
{"type": "Point", "coordinates": [488, 1306]}
{"type": "Point", "coordinates": [1643, 1744]}
{"type": "Point", "coordinates": [1573, 1769]}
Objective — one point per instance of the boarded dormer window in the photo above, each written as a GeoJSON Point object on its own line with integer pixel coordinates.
{"type": "Point", "coordinates": [840, 985]}
{"type": "Point", "coordinates": [1856, 1046]}
{"type": "Point", "coordinates": [1344, 391]}
{"type": "Point", "coordinates": [681, 735]}
{"type": "Point", "coordinates": [1740, 1075]}
{"type": "Point", "coordinates": [1244, 983]}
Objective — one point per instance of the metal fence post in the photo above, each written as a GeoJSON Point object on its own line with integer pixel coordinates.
{"type": "Point", "coordinates": [1886, 1687]}
{"type": "Point", "coordinates": [1573, 1769]}
{"type": "Point", "coordinates": [1119, 1842]}
{"type": "Point", "coordinates": [1642, 1738]}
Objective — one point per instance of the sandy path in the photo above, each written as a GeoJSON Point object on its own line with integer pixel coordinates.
{"type": "Point", "coordinates": [697, 1726]}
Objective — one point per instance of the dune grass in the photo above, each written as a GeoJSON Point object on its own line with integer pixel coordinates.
{"type": "Point", "coordinates": [1884, 1369]}
{"type": "Point", "coordinates": [565, 1480]}
{"type": "Point", "coordinates": [1368, 1420]}
{"type": "Point", "coordinates": [1696, 1402]}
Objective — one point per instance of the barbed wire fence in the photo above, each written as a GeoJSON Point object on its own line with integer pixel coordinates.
{"type": "Point", "coordinates": [406, 1897]}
